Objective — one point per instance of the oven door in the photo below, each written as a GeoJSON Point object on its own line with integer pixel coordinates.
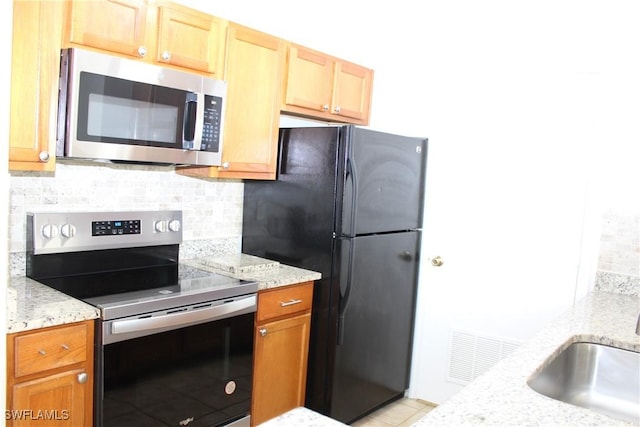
{"type": "Point", "coordinates": [199, 373]}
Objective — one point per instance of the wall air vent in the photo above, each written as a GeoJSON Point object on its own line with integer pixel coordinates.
{"type": "Point", "coordinates": [471, 355]}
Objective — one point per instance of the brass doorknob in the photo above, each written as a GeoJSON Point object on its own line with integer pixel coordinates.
{"type": "Point", "coordinates": [437, 261]}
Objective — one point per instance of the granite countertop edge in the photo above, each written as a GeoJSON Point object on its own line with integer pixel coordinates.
{"type": "Point", "coordinates": [301, 416]}
{"type": "Point", "coordinates": [501, 396]}
{"type": "Point", "coordinates": [274, 276]}
{"type": "Point", "coordinates": [32, 305]}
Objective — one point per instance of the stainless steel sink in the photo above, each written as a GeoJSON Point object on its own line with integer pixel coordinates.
{"type": "Point", "coordinates": [594, 376]}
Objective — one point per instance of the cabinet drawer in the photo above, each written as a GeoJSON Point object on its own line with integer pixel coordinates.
{"type": "Point", "coordinates": [283, 301]}
{"type": "Point", "coordinates": [50, 349]}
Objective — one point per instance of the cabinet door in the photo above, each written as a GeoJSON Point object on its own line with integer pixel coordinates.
{"type": "Point", "coordinates": [254, 67]}
{"type": "Point", "coordinates": [352, 91]}
{"type": "Point", "coordinates": [35, 66]}
{"type": "Point", "coordinates": [55, 400]}
{"type": "Point", "coordinates": [112, 25]}
{"type": "Point", "coordinates": [50, 376]}
{"type": "Point", "coordinates": [280, 367]}
{"type": "Point", "coordinates": [190, 39]}
{"type": "Point", "coordinates": [326, 88]}
{"type": "Point", "coordinates": [309, 80]}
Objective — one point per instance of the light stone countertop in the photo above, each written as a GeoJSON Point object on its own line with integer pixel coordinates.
{"type": "Point", "coordinates": [32, 305]}
{"type": "Point", "coordinates": [301, 416]}
{"type": "Point", "coordinates": [501, 396]}
{"type": "Point", "coordinates": [269, 274]}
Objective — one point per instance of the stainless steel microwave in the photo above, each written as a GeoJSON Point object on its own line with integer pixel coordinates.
{"type": "Point", "coordinates": [116, 109]}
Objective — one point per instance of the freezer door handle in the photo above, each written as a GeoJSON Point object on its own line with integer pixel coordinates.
{"type": "Point", "coordinates": [351, 172]}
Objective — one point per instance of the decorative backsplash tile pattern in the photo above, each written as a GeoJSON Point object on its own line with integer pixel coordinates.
{"type": "Point", "coordinates": [212, 209]}
{"type": "Point", "coordinates": [212, 212]}
{"type": "Point", "coordinates": [619, 256]}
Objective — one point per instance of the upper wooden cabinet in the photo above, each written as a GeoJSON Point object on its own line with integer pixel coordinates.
{"type": "Point", "coordinates": [35, 66]}
{"type": "Point", "coordinates": [255, 66]}
{"type": "Point", "coordinates": [262, 80]}
{"type": "Point", "coordinates": [190, 39]}
{"type": "Point", "coordinates": [320, 86]}
{"type": "Point", "coordinates": [154, 31]}
{"type": "Point", "coordinates": [115, 26]}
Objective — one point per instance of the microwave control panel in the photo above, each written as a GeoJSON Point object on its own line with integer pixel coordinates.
{"type": "Point", "coordinates": [211, 126]}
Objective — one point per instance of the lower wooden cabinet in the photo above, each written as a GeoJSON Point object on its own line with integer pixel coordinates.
{"type": "Point", "coordinates": [50, 376]}
{"type": "Point", "coordinates": [281, 348]}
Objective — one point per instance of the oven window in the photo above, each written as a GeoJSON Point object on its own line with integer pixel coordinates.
{"type": "Point", "coordinates": [200, 374]}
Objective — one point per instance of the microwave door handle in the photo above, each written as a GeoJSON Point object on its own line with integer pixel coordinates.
{"type": "Point", "coordinates": [189, 126]}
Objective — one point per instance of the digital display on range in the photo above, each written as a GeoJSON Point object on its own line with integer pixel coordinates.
{"type": "Point", "coordinates": [115, 228]}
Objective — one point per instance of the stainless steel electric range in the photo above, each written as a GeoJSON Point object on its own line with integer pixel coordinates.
{"type": "Point", "coordinates": [174, 343]}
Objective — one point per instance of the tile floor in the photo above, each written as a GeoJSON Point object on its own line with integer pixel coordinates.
{"type": "Point", "coordinates": [401, 413]}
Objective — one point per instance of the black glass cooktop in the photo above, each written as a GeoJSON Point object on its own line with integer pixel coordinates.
{"type": "Point", "coordinates": [124, 282]}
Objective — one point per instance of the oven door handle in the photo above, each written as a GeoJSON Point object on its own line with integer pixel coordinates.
{"type": "Point", "coordinates": [185, 318]}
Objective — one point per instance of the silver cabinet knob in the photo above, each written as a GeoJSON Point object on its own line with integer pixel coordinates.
{"type": "Point", "coordinates": [44, 156]}
{"type": "Point", "coordinates": [142, 51]}
{"type": "Point", "coordinates": [325, 107]}
{"type": "Point", "coordinates": [166, 55]}
{"type": "Point", "coordinates": [336, 110]}
{"type": "Point", "coordinates": [83, 377]}
{"type": "Point", "coordinates": [225, 165]}
{"type": "Point", "coordinates": [437, 261]}
{"type": "Point", "coordinates": [262, 332]}
{"type": "Point", "coordinates": [65, 347]}
{"type": "Point", "coordinates": [42, 352]}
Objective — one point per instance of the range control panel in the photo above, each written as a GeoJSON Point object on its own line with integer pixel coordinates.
{"type": "Point", "coordinates": [112, 228]}
{"type": "Point", "coordinates": [55, 232]}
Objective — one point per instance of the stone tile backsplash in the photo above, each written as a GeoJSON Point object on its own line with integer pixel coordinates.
{"type": "Point", "coordinates": [619, 255]}
{"type": "Point", "coordinates": [212, 209]}
{"type": "Point", "coordinates": [212, 212]}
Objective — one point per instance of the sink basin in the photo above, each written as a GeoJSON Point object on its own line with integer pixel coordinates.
{"type": "Point", "coordinates": [594, 376]}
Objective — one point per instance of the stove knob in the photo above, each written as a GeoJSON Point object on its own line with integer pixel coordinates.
{"type": "Point", "coordinates": [49, 231]}
{"type": "Point", "coordinates": [160, 226]}
{"type": "Point", "coordinates": [174, 225]}
{"type": "Point", "coordinates": [68, 230]}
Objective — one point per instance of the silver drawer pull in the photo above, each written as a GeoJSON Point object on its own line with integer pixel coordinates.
{"type": "Point", "coordinates": [42, 352]}
{"type": "Point", "coordinates": [65, 347]}
{"type": "Point", "coordinates": [292, 302]}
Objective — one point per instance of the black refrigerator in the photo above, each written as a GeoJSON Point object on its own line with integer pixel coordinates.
{"type": "Point", "coordinates": [347, 202]}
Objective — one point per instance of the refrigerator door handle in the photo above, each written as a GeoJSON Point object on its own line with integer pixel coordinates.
{"type": "Point", "coordinates": [351, 172]}
{"type": "Point", "coordinates": [344, 300]}
{"type": "Point", "coordinates": [283, 152]}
